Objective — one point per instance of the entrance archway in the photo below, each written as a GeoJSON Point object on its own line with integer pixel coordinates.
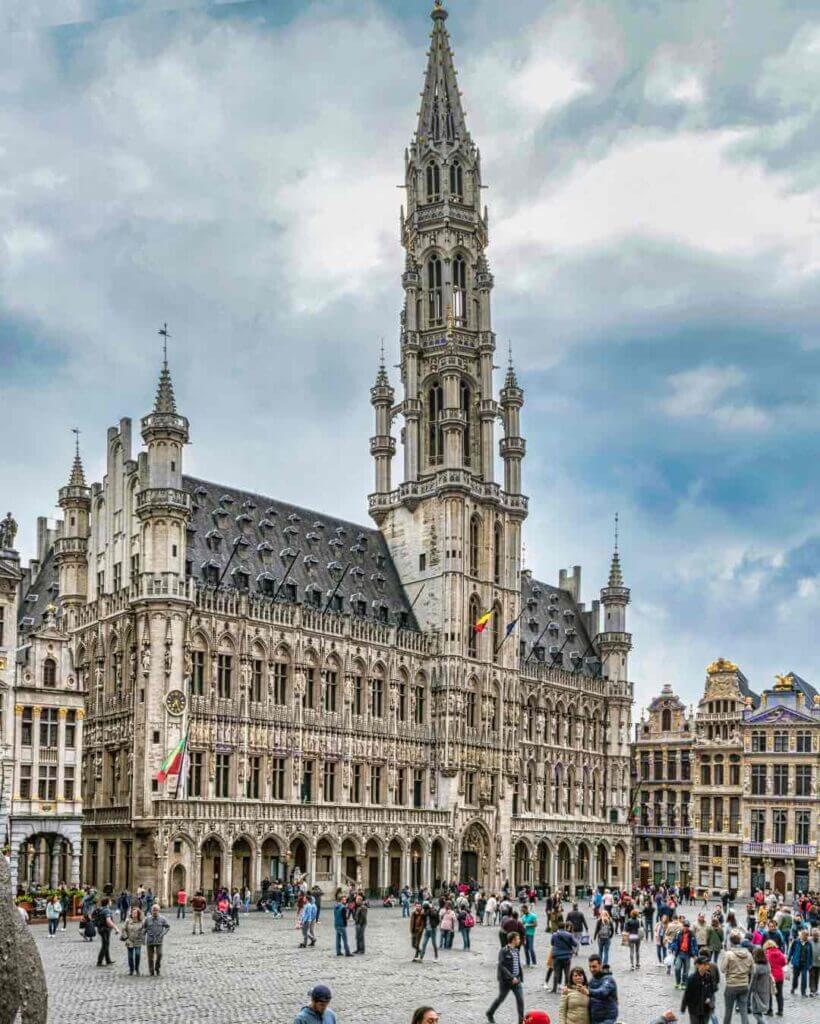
{"type": "Point", "coordinates": [437, 865]}
{"type": "Point", "coordinates": [350, 862]}
{"type": "Point", "coordinates": [602, 865]}
{"type": "Point", "coordinates": [241, 871]}
{"type": "Point", "coordinates": [178, 880]}
{"type": "Point", "coordinates": [564, 865]}
{"type": "Point", "coordinates": [298, 857]}
{"type": "Point", "coordinates": [324, 860]}
{"type": "Point", "coordinates": [272, 866]}
{"type": "Point", "coordinates": [780, 882]}
{"type": "Point", "coordinates": [372, 856]}
{"type": "Point", "coordinates": [45, 859]}
{"type": "Point", "coordinates": [521, 865]}
{"type": "Point", "coordinates": [416, 861]}
{"type": "Point", "coordinates": [394, 854]}
{"type": "Point", "coordinates": [543, 864]}
{"type": "Point", "coordinates": [475, 855]}
{"type": "Point", "coordinates": [212, 863]}
{"type": "Point", "coordinates": [619, 866]}
{"type": "Point", "coordinates": [582, 870]}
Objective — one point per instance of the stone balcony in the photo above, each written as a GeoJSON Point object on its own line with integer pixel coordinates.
{"type": "Point", "coordinates": [779, 850]}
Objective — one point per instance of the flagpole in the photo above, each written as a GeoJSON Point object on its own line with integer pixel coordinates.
{"type": "Point", "coordinates": [509, 633]}
{"type": "Point", "coordinates": [182, 760]}
{"type": "Point", "coordinates": [413, 603]}
{"type": "Point", "coordinates": [286, 574]}
{"type": "Point", "coordinates": [333, 592]}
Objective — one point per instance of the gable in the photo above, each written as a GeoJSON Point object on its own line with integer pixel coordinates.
{"type": "Point", "coordinates": [781, 715]}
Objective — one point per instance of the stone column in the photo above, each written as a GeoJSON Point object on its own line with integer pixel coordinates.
{"type": "Point", "coordinates": [61, 713]}
{"type": "Point", "coordinates": [56, 857]}
{"type": "Point", "coordinates": [572, 879]}
{"type": "Point", "coordinates": [384, 871]}
{"type": "Point", "coordinates": [196, 881]}
{"type": "Point", "coordinates": [18, 744]}
{"type": "Point", "coordinates": [405, 866]}
{"type": "Point", "coordinates": [75, 867]}
{"type": "Point", "coordinates": [227, 873]}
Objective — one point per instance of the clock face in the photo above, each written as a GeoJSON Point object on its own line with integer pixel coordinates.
{"type": "Point", "coordinates": [175, 702]}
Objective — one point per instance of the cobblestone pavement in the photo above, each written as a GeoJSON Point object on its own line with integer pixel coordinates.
{"type": "Point", "coordinates": [258, 975]}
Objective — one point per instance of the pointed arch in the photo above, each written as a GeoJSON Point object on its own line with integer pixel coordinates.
{"type": "Point", "coordinates": [435, 312]}
{"type": "Point", "coordinates": [456, 180]}
{"type": "Point", "coordinates": [432, 176]}
{"type": "Point", "coordinates": [498, 551]}
{"type": "Point", "coordinates": [473, 615]}
{"type": "Point", "coordinates": [475, 543]}
{"type": "Point", "coordinates": [497, 627]}
{"type": "Point", "coordinates": [460, 289]}
{"type": "Point", "coordinates": [435, 433]}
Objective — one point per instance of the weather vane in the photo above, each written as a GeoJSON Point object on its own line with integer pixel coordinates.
{"type": "Point", "coordinates": [165, 334]}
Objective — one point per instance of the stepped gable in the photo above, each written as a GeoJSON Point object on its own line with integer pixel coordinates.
{"type": "Point", "coordinates": [273, 531]}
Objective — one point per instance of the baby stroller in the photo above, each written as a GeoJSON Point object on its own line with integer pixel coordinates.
{"type": "Point", "coordinates": [222, 922]}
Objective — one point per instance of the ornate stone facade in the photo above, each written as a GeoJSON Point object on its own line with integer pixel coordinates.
{"type": "Point", "coordinates": [343, 714]}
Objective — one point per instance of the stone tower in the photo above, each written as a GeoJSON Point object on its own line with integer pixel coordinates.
{"type": "Point", "coordinates": [71, 547]}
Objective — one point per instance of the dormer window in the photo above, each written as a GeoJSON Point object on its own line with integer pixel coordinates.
{"type": "Point", "coordinates": [402, 620]}
{"type": "Point", "coordinates": [265, 524]}
{"type": "Point", "coordinates": [553, 627]}
{"type": "Point", "coordinates": [336, 603]}
{"type": "Point", "coordinates": [382, 613]}
{"type": "Point", "coordinates": [271, 511]}
{"type": "Point", "coordinates": [226, 499]}
{"type": "Point", "coordinates": [289, 591]}
{"type": "Point", "coordinates": [538, 653]}
{"type": "Point", "coordinates": [210, 574]}
{"type": "Point", "coordinates": [313, 597]}
{"type": "Point", "coordinates": [241, 578]}
{"type": "Point", "coordinates": [266, 584]}
{"type": "Point", "coordinates": [359, 606]}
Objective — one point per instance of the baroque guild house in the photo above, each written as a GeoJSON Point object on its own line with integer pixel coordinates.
{"type": "Point", "coordinates": [343, 715]}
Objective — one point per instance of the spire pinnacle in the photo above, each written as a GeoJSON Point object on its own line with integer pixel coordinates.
{"type": "Point", "coordinates": [77, 478]}
{"type": "Point", "coordinates": [616, 578]}
{"type": "Point", "coordinates": [510, 381]}
{"type": "Point", "coordinates": [165, 401]}
{"type": "Point", "coordinates": [441, 118]}
{"type": "Point", "coordinates": [382, 380]}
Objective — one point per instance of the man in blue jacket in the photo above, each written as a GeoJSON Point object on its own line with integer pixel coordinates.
{"type": "Point", "coordinates": [563, 949]}
{"type": "Point", "coordinates": [684, 947]}
{"type": "Point", "coordinates": [603, 993]}
{"type": "Point", "coordinates": [318, 1011]}
{"type": "Point", "coordinates": [340, 924]}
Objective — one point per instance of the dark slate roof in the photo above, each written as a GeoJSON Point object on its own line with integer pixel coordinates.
{"type": "Point", "coordinates": [746, 690]}
{"type": "Point", "coordinates": [273, 531]}
{"type": "Point", "coordinates": [41, 592]}
{"type": "Point", "coordinates": [544, 606]}
{"type": "Point", "coordinates": [667, 698]}
{"type": "Point", "coordinates": [803, 686]}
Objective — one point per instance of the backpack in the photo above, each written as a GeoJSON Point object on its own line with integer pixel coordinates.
{"type": "Point", "coordinates": [469, 921]}
{"type": "Point", "coordinates": [98, 918]}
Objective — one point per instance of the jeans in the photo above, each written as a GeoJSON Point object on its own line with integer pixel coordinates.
{"type": "Point", "coordinates": [465, 938]}
{"type": "Point", "coordinates": [529, 949]}
{"type": "Point", "coordinates": [405, 910]}
{"type": "Point", "coordinates": [561, 967]}
{"type": "Point", "coordinates": [181, 910]}
{"type": "Point", "coordinates": [647, 929]}
{"type": "Point", "coordinates": [105, 947]}
{"type": "Point", "coordinates": [503, 991]}
{"type": "Point", "coordinates": [360, 937]}
{"type": "Point", "coordinates": [429, 933]}
{"type": "Point", "coordinates": [52, 925]}
{"type": "Point", "coordinates": [307, 933]}
{"type": "Point", "coordinates": [603, 950]}
{"type": "Point", "coordinates": [660, 951]}
{"type": "Point", "coordinates": [681, 969]}
{"type": "Point", "coordinates": [154, 959]}
{"type": "Point", "coordinates": [134, 954]}
{"type": "Point", "coordinates": [341, 939]}
{"type": "Point", "coordinates": [800, 974]}
{"type": "Point", "coordinates": [735, 997]}
{"type": "Point", "coordinates": [634, 954]}
{"type": "Point", "coordinates": [778, 993]}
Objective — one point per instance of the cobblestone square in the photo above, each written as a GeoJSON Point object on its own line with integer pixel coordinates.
{"type": "Point", "coordinates": [258, 975]}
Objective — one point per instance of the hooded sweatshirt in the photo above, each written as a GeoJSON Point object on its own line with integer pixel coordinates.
{"type": "Point", "coordinates": [307, 1015]}
{"type": "Point", "coordinates": [737, 966]}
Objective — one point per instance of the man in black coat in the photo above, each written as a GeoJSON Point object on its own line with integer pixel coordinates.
{"type": "Point", "coordinates": [510, 976]}
{"type": "Point", "coordinates": [699, 994]}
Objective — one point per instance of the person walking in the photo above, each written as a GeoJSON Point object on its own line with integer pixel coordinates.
{"type": "Point", "coordinates": [133, 934]}
{"type": "Point", "coordinates": [699, 992]}
{"type": "Point", "coordinates": [632, 930]}
{"type": "Point", "coordinates": [360, 921]}
{"type": "Point", "coordinates": [198, 905]}
{"type": "Point", "coordinates": [801, 958]}
{"type": "Point", "coordinates": [156, 928]}
{"type": "Point", "coordinates": [714, 939]}
{"type": "Point", "coordinates": [404, 899]}
{"type": "Point", "coordinates": [417, 929]}
{"type": "Point", "coordinates": [777, 963]}
{"type": "Point", "coordinates": [563, 946]}
{"type": "Point", "coordinates": [104, 922]}
{"type": "Point", "coordinates": [684, 947]}
{"type": "Point", "coordinates": [760, 990]}
{"type": "Point", "coordinates": [53, 911]}
{"type": "Point", "coordinates": [425, 1015]}
{"type": "Point", "coordinates": [510, 976]}
{"type": "Point", "coordinates": [431, 920]}
{"type": "Point", "coordinates": [66, 903]}
{"type": "Point", "coordinates": [736, 966]}
{"type": "Point", "coordinates": [574, 1005]}
{"type": "Point", "coordinates": [308, 924]}
{"type": "Point", "coordinates": [577, 924]}
{"type": "Point", "coordinates": [236, 906]}
{"type": "Point", "coordinates": [318, 1009]}
{"type": "Point", "coordinates": [182, 902]}
{"type": "Point", "coordinates": [466, 923]}
{"type": "Point", "coordinates": [603, 935]}
{"type": "Point", "coordinates": [529, 920]}
{"type": "Point", "coordinates": [814, 973]}
{"type": "Point", "coordinates": [603, 993]}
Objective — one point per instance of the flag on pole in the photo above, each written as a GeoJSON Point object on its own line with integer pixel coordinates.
{"type": "Point", "coordinates": [481, 625]}
{"type": "Point", "coordinates": [182, 778]}
{"type": "Point", "coordinates": [173, 762]}
{"type": "Point", "coordinates": [510, 627]}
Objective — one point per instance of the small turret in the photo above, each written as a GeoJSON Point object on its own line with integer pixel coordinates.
{"type": "Point", "coordinates": [512, 446]}
{"type": "Point", "coordinates": [71, 547]}
{"type": "Point", "coordinates": [382, 445]}
{"type": "Point", "coordinates": [615, 642]}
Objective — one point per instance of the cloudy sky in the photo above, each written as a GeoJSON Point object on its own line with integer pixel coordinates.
{"type": "Point", "coordinates": [654, 211]}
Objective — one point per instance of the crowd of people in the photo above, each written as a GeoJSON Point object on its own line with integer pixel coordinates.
{"type": "Point", "coordinates": [727, 964]}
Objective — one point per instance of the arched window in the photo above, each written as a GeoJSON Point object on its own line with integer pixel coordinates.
{"type": "Point", "coordinates": [666, 720]}
{"type": "Point", "coordinates": [498, 552]}
{"type": "Point", "coordinates": [420, 703]}
{"type": "Point", "coordinates": [530, 720]}
{"type": "Point", "coordinates": [466, 395]}
{"type": "Point", "coordinates": [49, 672]}
{"type": "Point", "coordinates": [531, 787]}
{"type": "Point", "coordinates": [456, 180]}
{"type": "Point", "coordinates": [475, 541]}
{"type": "Point", "coordinates": [434, 301]}
{"type": "Point", "coordinates": [433, 182]}
{"type": "Point", "coordinates": [497, 624]}
{"type": "Point", "coordinates": [470, 705]}
{"type": "Point", "coordinates": [472, 636]}
{"type": "Point", "coordinates": [460, 290]}
{"type": "Point", "coordinates": [435, 435]}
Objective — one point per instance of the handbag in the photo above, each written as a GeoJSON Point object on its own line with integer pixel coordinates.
{"type": "Point", "coordinates": [669, 960]}
{"type": "Point", "coordinates": [624, 938]}
{"type": "Point", "coordinates": [584, 940]}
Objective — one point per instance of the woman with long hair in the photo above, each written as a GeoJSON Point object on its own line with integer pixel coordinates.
{"type": "Point", "coordinates": [133, 935]}
{"type": "Point", "coordinates": [574, 1005]}
{"type": "Point", "coordinates": [425, 1015]}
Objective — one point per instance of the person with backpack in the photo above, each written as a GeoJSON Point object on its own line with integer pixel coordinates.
{"type": "Point", "coordinates": [431, 920]}
{"type": "Point", "coordinates": [466, 922]}
{"type": "Point", "coordinates": [198, 906]}
{"type": "Point", "coordinates": [104, 923]}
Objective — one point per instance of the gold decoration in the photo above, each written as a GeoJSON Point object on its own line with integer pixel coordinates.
{"type": "Point", "coordinates": [62, 712]}
{"type": "Point", "coordinates": [784, 683]}
{"type": "Point", "coordinates": [721, 665]}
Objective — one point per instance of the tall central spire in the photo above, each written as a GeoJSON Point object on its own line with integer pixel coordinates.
{"type": "Point", "coordinates": [441, 118]}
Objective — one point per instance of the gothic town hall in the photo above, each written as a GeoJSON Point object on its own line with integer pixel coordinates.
{"type": "Point", "coordinates": [343, 714]}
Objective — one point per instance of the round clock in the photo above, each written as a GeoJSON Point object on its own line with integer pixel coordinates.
{"type": "Point", "coordinates": [175, 702]}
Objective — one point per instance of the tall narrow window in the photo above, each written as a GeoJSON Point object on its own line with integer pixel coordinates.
{"type": "Point", "coordinates": [197, 673]}
{"type": "Point", "coordinates": [456, 180]}
{"type": "Point", "coordinates": [435, 443]}
{"type": "Point", "coordinates": [475, 540]}
{"type": "Point", "coordinates": [49, 672]}
{"type": "Point", "coordinates": [472, 636]}
{"type": "Point", "coordinates": [224, 675]}
{"type": "Point", "coordinates": [498, 552]}
{"type": "Point", "coordinates": [460, 290]}
{"type": "Point", "coordinates": [434, 300]}
{"type": "Point", "coordinates": [433, 182]}
{"type": "Point", "coordinates": [466, 395]}
{"type": "Point", "coordinates": [497, 624]}
{"type": "Point", "coordinates": [666, 720]}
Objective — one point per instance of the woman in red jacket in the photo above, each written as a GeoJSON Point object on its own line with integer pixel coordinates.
{"type": "Point", "coordinates": [777, 961]}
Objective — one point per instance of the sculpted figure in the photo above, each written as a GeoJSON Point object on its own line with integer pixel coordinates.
{"type": "Point", "coordinates": [22, 981]}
